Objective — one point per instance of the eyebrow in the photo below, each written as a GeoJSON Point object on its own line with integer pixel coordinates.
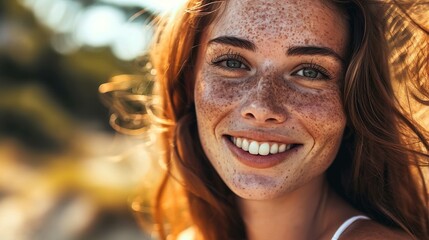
{"type": "Point", "coordinates": [313, 50]}
{"type": "Point", "coordinates": [235, 42]}
{"type": "Point", "coordinates": [292, 51]}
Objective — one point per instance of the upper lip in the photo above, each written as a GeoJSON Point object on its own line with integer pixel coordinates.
{"type": "Point", "coordinates": [263, 136]}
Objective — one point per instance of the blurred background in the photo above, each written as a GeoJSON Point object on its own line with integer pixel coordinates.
{"type": "Point", "coordinates": [64, 172]}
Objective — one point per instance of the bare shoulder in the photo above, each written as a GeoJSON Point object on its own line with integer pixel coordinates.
{"type": "Point", "coordinates": [371, 230]}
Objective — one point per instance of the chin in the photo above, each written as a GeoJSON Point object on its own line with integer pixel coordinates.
{"type": "Point", "coordinates": [257, 187]}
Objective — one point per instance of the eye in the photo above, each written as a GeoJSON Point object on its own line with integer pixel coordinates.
{"type": "Point", "coordinates": [309, 72]}
{"type": "Point", "coordinates": [313, 72]}
{"type": "Point", "coordinates": [231, 62]}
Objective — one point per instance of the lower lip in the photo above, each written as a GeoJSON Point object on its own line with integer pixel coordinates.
{"type": "Point", "coordinates": [259, 161]}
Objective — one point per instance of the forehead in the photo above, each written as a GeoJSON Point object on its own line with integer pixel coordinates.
{"type": "Point", "coordinates": [300, 22]}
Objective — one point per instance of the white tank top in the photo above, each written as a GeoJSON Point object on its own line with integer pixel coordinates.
{"type": "Point", "coordinates": [346, 224]}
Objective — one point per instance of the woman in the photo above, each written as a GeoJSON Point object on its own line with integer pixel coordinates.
{"type": "Point", "coordinates": [285, 124]}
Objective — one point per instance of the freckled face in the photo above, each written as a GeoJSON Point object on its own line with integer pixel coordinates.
{"type": "Point", "coordinates": [269, 72]}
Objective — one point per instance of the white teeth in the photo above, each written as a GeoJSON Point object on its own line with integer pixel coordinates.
{"type": "Point", "coordinates": [274, 148]}
{"type": "Point", "coordinates": [261, 148]}
{"type": "Point", "coordinates": [264, 149]}
{"type": "Point", "coordinates": [282, 148]}
{"type": "Point", "coordinates": [254, 147]}
{"type": "Point", "coordinates": [238, 142]}
{"type": "Point", "coordinates": [245, 145]}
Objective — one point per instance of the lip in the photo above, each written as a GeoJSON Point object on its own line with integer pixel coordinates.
{"type": "Point", "coordinates": [258, 161]}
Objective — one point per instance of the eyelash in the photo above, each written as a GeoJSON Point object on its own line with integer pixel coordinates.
{"type": "Point", "coordinates": [217, 61]}
{"type": "Point", "coordinates": [230, 55]}
{"type": "Point", "coordinates": [325, 74]}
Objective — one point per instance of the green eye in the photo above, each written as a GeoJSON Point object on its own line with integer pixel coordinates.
{"type": "Point", "coordinates": [231, 63]}
{"type": "Point", "coordinates": [311, 72]}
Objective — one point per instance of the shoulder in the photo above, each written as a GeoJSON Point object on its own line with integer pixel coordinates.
{"type": "Point", "coordinates": [371, 230]}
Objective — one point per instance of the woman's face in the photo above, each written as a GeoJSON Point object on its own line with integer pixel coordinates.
{"type": "Point", "coordinates": [267, 97]}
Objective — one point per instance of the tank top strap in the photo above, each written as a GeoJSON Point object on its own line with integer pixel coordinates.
{"type": "Point", "coordinates": [346, 224]}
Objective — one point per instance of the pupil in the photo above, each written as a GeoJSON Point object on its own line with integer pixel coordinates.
{"type": "Point", "coordinates": [233, 64]}
{"type": "Point", "coordinates": [310, 73]}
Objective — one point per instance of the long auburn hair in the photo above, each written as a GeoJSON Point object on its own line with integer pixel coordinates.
{"type": "Point", "coordinates": [380, 166]}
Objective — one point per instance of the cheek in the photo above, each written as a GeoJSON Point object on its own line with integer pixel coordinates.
{"type": "Point", "coordinates": [214, 96]}
{"type": "Point", "coordinates": [323, 113]}
{"type": "Point", "coordinates": [324, 120]}
{"type": "Point", "coordinates": [213, 100]}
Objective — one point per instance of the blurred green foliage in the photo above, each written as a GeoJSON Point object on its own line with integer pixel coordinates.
{"type": "Point", "coordinates": [45, 96]}
{"type": "Point", "coordinates": [62, 173]}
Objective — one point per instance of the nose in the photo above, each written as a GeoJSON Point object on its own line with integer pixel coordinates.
{"type": "Point", "coordinates": [263, 105]}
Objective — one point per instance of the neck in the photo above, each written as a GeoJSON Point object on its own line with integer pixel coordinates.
{"type": "Point", "coordinates": [298, 215]}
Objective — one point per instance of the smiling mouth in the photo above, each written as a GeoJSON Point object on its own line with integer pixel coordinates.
{"type": "Point", "coordinates": [260, 148]}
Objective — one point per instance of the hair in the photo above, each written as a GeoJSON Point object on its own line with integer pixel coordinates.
{"type": "Point", "coordinates": [380, 166]}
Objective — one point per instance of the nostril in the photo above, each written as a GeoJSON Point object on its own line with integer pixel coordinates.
{"type": "Point", "coordinates": [249, 115]}
{"type": "Point", "coordinates": [272, 120]}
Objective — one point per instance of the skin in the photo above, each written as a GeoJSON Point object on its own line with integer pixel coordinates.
{"type": "Point", "coordinates": [266, 97]}
{"type": "Point", "coordinates": [269, 100]}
